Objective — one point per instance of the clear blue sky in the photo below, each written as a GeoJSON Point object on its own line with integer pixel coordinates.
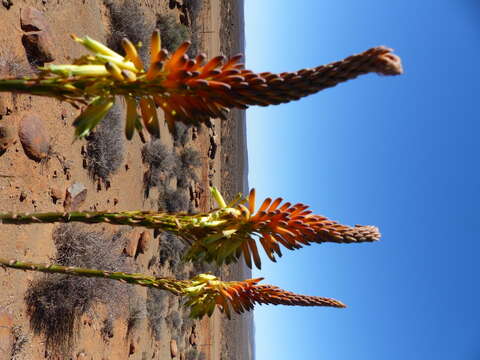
{"type": "Point", "coordinates": [398, 152]}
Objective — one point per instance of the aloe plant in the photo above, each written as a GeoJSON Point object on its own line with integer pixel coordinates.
{"type": "Point", "coordinates": [187, 90]}
{"type": "Point", "coordinates": [202, 294]}
{"type": "Point", "coordinates": [225, 234]}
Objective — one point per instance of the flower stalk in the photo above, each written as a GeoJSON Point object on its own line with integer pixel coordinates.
{"type": "Point", "coordinates": [186, 89]}
{"type": "Point", "coordinates": [225, 234]}
{"type": "Point", "coordinates": [203, 293]}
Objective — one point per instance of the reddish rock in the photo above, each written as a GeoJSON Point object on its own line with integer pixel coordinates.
{"type": "Point", "coordinates": [33, 138]}
{"type": "Point", "coordinates": [144, 242]}
{"type": "Point", "coordinates": [131, 247]}
{"type": "Point", "coordinates": [32, 19]}
{"type": "Point", "coordinates": [39, 47]}
{"type": "Point", "coordinates": [173, 348]}
{"type": "Point", "coordinates": [132, 349]}
{"type": "Point", "coordinates": [56, 194]}
{"type": "Point", "coordinates": [75, 196]}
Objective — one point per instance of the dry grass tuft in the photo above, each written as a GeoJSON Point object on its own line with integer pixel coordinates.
{"type": "Point", "coordinates": [56, 303]}
{"type": "Point", "coordinates": [105, 146]}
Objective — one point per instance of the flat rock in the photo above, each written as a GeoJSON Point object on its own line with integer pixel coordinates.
{"type": "Point", "coordinates": [39, 47]}
{"type": "Point", "coordinates": [32, 19]}
{"type": "Point", "coordinates": [144, 242]}
{"type": "Point", "coordinates": [131, 247]}
{"type": "Point", "coordinates": [173, 348]}
{"type": "Point", "coordinates": [75, 196]}
{"type": "Point", "coordinates": [56, 194]}
{"type": "Point", "coordinates": [33, 138]}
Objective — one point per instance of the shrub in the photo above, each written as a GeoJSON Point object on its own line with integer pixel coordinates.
{"type": "Point", "coordinates": [161, 165]}
{"type": "Point", "coordinates": [105, 145]}
{"type": "Point", "coordinates": [12, 65]}
{"type": "Point", "coordinates": [56, 303]}
{"type": "Point", "coordinates": [136, 314]}
{"type": "Point", "coordinates": [191, 354]}
{"type": "Point", "coordinates": [20, 339]}
{"type": "Point", "coordinates": [128, 20]}
{"type": "Point", "coordinates": [190, 160]}
{"type": "Point", "coordinates": [173, 201]}
{"type": "Point", "coordinates": [155, 305]}
{"type": "Point", "coordinates": [170, 252]}
{"type": "Point", "coordinates": [172, 33]}
{"type": "Point", "coordinates": [181, 134]}
{"type": "Point", "coordinates": [107, 329]}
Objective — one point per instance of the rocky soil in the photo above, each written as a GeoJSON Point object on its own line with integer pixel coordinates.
{"type": "Point", "coordinates": [41, 169]}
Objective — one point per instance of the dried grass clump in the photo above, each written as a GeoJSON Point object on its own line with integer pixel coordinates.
{"type": "Point", "coordinates": [12, 65]}
{"type": "Point", "coordinates": [20, 339]}
{"type": "Point", "coordinates": [190, 160]}
{"type": "Point", "coordinates": [105, 146]}
{"type": "Point", "coordinates": [174, 201]}
{"type": "Point", "coordinates": [161, 165]}
{"type": "Point", "coordinates": [181, 136]}
{"type": "Point", "coordinates": [56, 303]}
{"type": "Point", "coordinates": [170, 253]}
{"type": "Point", "coordinates": [128, 20]}
{"type": "Point", "coordinates": [156, 303]}
{"type": "Point", "coordinates": [172, 33]}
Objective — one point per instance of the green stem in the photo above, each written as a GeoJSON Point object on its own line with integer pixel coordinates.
{"type": "Point", "coordinates": [188, 227]}
{"type": "Point", "coordinates": [174, 286]}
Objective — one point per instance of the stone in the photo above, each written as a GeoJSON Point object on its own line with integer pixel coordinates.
{"type": "Point", "coordinates": [132, 349]}
{"type": "Point", "coordinates": [32, 19]}
{"type": "Point", "coordinates": [193, 339]}
{"type": "Point", "coordinates": [56, 194]}
{"type": "Point", "coordinates": [144, 242]}
{"type": "Point", "coordinates": [173, 348]}
{"type": "Point", "coordinates": [33, 138]}
{"type": "Point", "coordinates": [76, 194]}
{"type": "Point", "coordinates": [131, 248]}
{"type": "Point", "coordinates": [39, 47]}
{"type": "Point", "coordinates": [7, 138]}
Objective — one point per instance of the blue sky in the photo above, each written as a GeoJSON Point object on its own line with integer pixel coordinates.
{"type": "Point", "coordinates": [397, 152]}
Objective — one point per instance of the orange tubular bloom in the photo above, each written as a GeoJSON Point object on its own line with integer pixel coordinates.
{"type": "Point", "coordinates": [274, 225]}
{"type": "Point", "coordinates": [209, 292]}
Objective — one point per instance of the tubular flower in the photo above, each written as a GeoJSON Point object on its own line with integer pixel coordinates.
{"type": "Point", "coordinates": [274, 224]}
{"type": "Point", "coordinates": [187, 90]}
{"type": "Point", "coordinates": [207, 292]}
{"type": "Point", "coordinates": [203, 293]}
{"type": "Point", "coordinates": [225, 234]}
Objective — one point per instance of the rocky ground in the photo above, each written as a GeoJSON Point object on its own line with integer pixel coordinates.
{"type": "Point", "coordinates": [42, 170]}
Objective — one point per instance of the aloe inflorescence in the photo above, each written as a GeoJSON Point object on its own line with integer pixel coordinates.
{"type": "Point", "coordinates": [187, 89]}
{"type": "Point", "coordinates": [202, 294]}
{"type": "Point", "coordinates": [225, 234]}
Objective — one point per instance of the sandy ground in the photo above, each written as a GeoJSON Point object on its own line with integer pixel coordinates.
{"type": "Point", "coordinates": [27, 185]}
